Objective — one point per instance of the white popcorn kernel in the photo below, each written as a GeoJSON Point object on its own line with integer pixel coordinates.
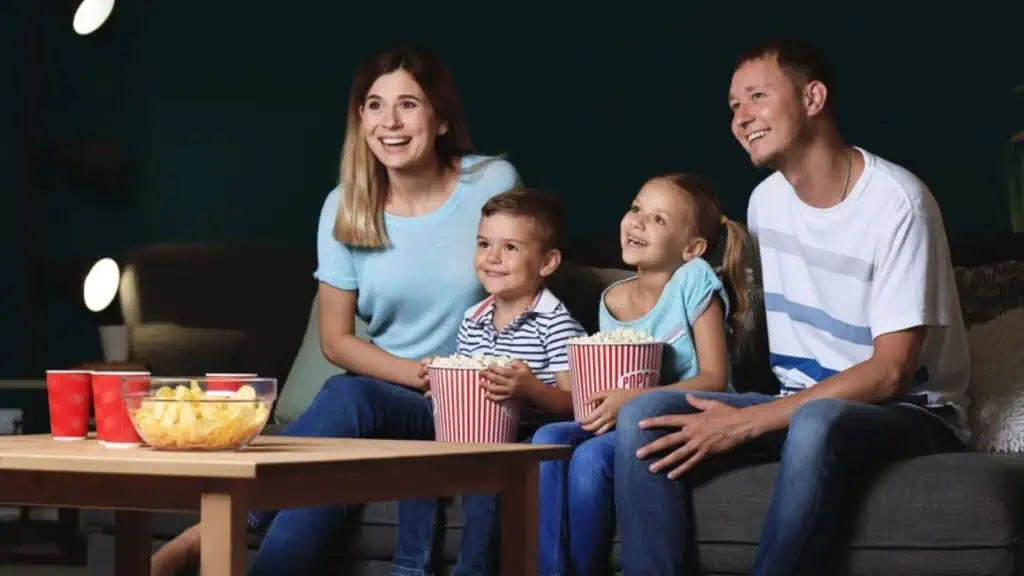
{"type": "Point", "coordinates": [477, 361]}
{"type": "Point", "coordinates": [617, 336]}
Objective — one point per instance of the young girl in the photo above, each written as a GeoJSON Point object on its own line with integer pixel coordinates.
{"type": "Point", "coordinates": [673, 228]}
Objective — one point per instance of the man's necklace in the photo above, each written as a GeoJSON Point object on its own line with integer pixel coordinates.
{"type": "Point", "coordinates": [847, 181]}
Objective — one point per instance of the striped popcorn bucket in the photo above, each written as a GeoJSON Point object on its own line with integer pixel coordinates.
{"type": "Point", "coordinates": [598, 367]}
{"type": "Point", "coordinates": [464, 414]}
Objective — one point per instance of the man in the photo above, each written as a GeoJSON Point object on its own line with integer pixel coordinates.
{"type": "Point", "coordinates": [864, 330]}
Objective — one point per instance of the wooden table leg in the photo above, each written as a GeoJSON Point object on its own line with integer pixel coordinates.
{"type": "Point", "coordinates": [223, 534]}
{"type": "Point", "coordinates": [519, 510]}
{"type": "Point", "coordinates": [133, 542]}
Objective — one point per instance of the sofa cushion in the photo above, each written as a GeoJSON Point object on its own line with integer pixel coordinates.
{"type": "Point", "coordinates": [942, 514]}
{"type": "Point", "coordinates": [580, 287]}
{"type": "Point", "coordinates": [308, 373]}
{"type": "Point", "coordinates": [958, 500]}
{"type": "Point", "coordinates": [988, 290]}
{"type": "Point", "coordinates": [997, 383]}
{"type": "Point", "coordinates": [932, 504]}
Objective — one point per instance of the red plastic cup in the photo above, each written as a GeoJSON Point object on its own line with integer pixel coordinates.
{"type": "Point", "coordinates": [222, 382]}
{"type": "Point", "coordinates": [114, 426]}
{"type": "Point", "coordinates": [464, 414]}
{"type": "Point", "coordinates": [600, 367]}
{"type": "Point", "coordinates": [70, 398]}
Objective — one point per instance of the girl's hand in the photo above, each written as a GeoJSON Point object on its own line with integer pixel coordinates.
{"type": "Point", "coordinates": [512, 381]}
{"type": "Point", "coordinates": [602, 419]}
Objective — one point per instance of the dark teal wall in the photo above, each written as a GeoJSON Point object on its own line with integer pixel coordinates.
{"type": "Point", "coordinates": [232, 121]}
{"type": "Point", "coordinates": [13, 104]}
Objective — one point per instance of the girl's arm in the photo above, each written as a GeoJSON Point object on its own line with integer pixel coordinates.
{"type": "Point", "coordinates": [343, 348]}
{"type": "Point", "coordinates": [712, 351]}
{"type": "Point", "coordinates": [556, 399]}
{"type": "Point", "coordinates": [712, 354]}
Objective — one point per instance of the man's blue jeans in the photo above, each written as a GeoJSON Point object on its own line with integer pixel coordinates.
{"type": "Point", "coordinates": [351, 407]}
{"type": "Point", "coordinates": [829, 447]}
{"type": "Point", "coordinates": [577, 515]}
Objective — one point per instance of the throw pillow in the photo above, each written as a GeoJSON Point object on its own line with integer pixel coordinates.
{"type": "Point", "coordinates": [997, 383]}
{"type": "Point", "coordinates": [309, 371]}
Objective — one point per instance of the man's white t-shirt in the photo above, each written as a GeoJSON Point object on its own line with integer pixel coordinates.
{"type": "Point", "coordinates": [837, 278]}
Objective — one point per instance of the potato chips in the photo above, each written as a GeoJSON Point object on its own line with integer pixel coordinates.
{"type": "Point", "coordinates": [189, 418]}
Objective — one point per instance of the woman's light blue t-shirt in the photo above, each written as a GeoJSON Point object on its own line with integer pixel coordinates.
{"type": "Point", "coordinates": [685, 297]}
{"type": "Point", "coordinates": [413, 294]}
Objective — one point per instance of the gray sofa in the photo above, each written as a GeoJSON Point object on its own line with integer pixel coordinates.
{"type": "Point", "coordinates": [954, 514]}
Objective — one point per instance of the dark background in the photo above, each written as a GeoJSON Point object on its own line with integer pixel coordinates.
{"type": "Point", "coordinates": [229, 116]}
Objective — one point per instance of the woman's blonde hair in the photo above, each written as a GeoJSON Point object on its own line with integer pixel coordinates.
{"type": "Point", "coordinates": [734, 255]}
{"type": "Point", "coordinates": [363, 179]}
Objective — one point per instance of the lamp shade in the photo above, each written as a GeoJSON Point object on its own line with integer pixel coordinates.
{"type": "Point", "coordinates": [101, 284]}
{"type": "Point", "coordinates": [91, 14]}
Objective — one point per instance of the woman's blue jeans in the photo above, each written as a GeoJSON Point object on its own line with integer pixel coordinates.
{"type": "Point", "coordinates": [351, 407]}
{"type": "Point", "coordinates": [577, 504]}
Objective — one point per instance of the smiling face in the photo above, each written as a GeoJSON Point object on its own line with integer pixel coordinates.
{"type": "Point", "coordinates": [768, 115]}
{"type": "Point", "coordinates": [658, 231]}
{"type": "Point", "coordinates": [510, 260]}
{"type": "Point", "coordinates": [399, 123]}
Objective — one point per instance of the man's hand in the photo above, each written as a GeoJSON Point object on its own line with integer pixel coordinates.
{"type": "Point", "coordinates": [602, 419]}
{"type": "Point", "coordinates": [716, 429]}
{"type": "Point", "coordinates": [514, 380]}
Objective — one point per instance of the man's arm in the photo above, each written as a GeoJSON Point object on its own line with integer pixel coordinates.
{"type": "Point", "coordinates": [885, 375]}
{"type": "Point", "coordinates": [910, 274]}
{"type": "Point", "coordinates": [908, 271]}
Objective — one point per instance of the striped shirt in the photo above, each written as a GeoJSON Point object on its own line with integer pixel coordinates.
{"type": "Point", "coordinates": [538, 337]}
{"type": "Point", "coordinates": [837, 278]}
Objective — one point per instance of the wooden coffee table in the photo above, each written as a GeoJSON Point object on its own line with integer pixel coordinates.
{"type": "Point", "coordinates": [275, 472]}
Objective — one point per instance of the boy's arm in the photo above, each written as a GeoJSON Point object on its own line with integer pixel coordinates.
{"type": "Point", "coordinates": [558, 399]}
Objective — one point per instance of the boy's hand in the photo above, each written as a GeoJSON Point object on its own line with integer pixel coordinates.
{"type": "Point", "coordinates": [424, 376]}
{"type": "Point", "coordinates": [602, 419]}
{"type": "Point", "coordinates": [512, 381]}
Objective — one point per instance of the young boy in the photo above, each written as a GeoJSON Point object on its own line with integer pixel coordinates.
{"type": "Point", "coordinates": [517, 249]}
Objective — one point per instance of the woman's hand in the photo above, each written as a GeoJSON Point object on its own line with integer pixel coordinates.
{"type": "Point", "coordinates": [424, 375]}
{"type": "Point", "coordinates": [602, 419]}
{"type": "Point", "coordinates": [512, 381]}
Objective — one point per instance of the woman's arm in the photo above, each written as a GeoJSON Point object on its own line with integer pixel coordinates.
{"type": "Point", "coordinates": [343, 348]}
{"type": "Point", "coordinates": [712, 351]}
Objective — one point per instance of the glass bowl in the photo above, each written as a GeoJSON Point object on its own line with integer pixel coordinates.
{"type": "Point", "coordinates": [214, 413]}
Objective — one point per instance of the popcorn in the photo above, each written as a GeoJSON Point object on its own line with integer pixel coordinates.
{"type": "Point", "coordinates": [477, 361]}
{"type": "Point", "coordinates": [617, 336]}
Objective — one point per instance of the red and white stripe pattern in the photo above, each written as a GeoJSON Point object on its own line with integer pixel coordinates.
{"type": "Point", "coordinates": [599, 367]}
{"type": "Point", "coordinates": [464, 414]}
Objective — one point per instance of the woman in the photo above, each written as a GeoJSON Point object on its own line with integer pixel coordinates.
{"type": "Point", "coordinates": [395, 245]}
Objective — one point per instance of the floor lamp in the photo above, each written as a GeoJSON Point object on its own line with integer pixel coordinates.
{"type": "Point", "coordinates": [99, 292]}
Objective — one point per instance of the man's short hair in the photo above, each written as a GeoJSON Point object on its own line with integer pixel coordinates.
{"type": "Point", "coordinates": [545, 210]}
{"type": "Point", "coordinates": [801, 60]}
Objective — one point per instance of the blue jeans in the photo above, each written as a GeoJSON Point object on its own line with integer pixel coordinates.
{"type": "Point", "coordinates": [577, 514]}
{"type": "Point", "coordinates": [351, 407]}
{"type": "Point", "coordinates": [481, 512]}
{"type": "Point", "coordinates": [829, 446]}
